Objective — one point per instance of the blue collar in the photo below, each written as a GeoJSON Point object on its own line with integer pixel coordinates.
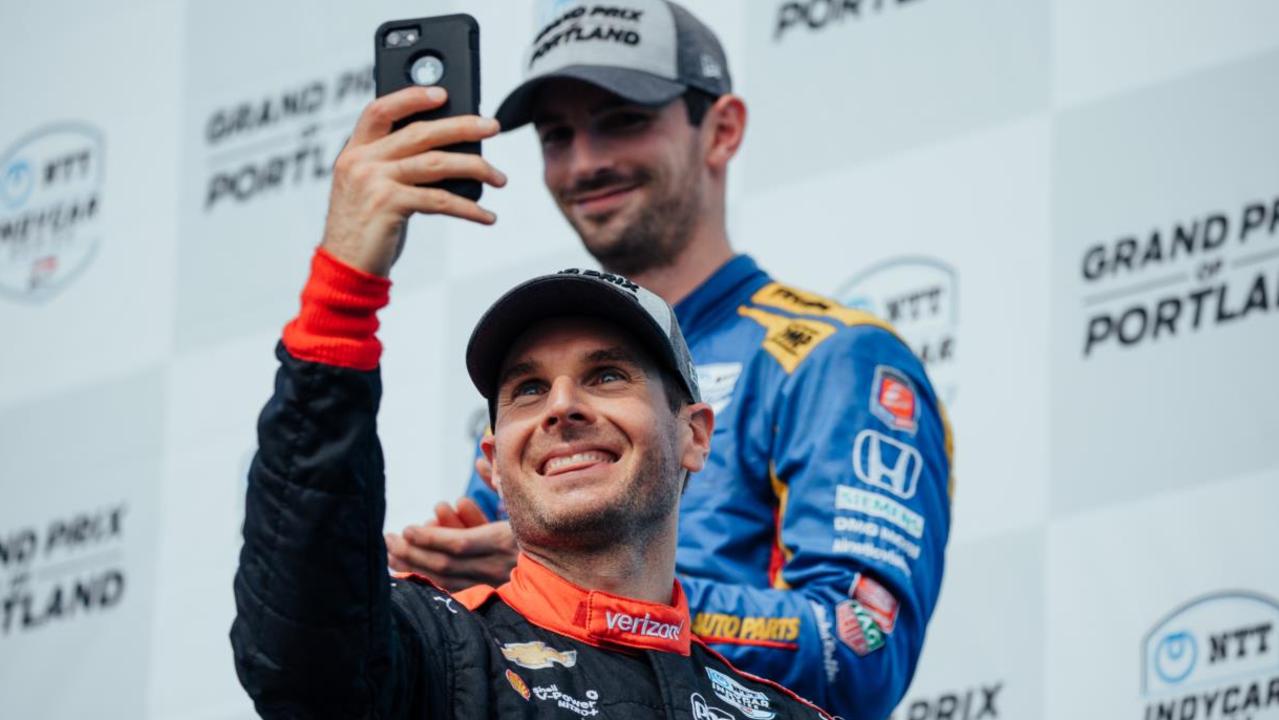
{"type": "Point", "coordinates": [736, 278]}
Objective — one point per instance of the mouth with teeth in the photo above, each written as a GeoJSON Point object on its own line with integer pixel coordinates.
{"type": "Point", "coordinates": [560, 464]}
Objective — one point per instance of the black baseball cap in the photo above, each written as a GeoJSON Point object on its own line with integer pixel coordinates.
{"type": "Point", "coordinates": [580, 293]}
{"type": "Point", "coordinates": [646, 51]}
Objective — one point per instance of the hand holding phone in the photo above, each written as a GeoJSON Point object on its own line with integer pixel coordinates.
{"type": "Point", "coordinates": [441, 51]}
{"type": "Point", "coordinates": [414, 149]}
{"type": "Point", "coordinates": [382, 177]}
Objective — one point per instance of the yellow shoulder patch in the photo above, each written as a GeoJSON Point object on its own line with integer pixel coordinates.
{"type": "Point", "coordinates": [789, 340]}
{"type": "Point", "coordinates": [802, 302]}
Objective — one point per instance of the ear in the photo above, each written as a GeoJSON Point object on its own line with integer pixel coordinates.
{"type": "Point", "coordinates": [723, 129]}
{"type": "Point", "coordinates": [699, 422]}
{"type": "Point", "coordinates": [493, 478]}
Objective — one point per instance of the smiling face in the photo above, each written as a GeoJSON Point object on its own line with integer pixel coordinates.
{"type": "Point", "coordinates": [629, 178]}
{"type": "Point", "coordinates": [586, 450]}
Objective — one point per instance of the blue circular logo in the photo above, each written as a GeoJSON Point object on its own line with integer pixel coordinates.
{"type": "Point", "coordinates": [1175, 656]}
{"type": "Point", "coordinates": [16, 183]}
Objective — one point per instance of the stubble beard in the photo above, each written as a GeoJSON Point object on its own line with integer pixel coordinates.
{"type": "Point", "coordinates": [658, 235]}
{"type": "Point", "coordinates": [633, 516]}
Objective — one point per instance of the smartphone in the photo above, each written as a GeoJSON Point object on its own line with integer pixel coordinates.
{"type": "Point", "coordinates": [444, 51]}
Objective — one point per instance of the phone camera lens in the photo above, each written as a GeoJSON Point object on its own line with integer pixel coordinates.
{"type": "Point", "coordinates": [400, 38]}
{"type": "Point", "coordinates": [426, 70]}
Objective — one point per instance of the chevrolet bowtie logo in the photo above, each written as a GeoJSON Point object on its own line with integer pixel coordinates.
{"type": "Point", "coordinates": [536, 655]}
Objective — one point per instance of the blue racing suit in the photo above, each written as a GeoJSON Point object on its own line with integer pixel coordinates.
{"type": "Point", "coordinates": [812, 544]}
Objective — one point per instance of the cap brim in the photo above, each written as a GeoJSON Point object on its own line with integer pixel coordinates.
{"type": "Point", "coordinates": [548, 297]}
{"type": "Point", "coordinates": [633, 85]}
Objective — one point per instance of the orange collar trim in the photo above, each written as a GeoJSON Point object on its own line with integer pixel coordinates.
{"type": "Point", "coordinates": [594, 617]}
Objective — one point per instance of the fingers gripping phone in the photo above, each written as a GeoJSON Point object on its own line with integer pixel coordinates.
{"type": "Point", "coordinates": [443, 51]}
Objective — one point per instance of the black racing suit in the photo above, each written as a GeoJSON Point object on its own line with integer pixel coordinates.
{"type": "Point", "coordinates": [322, 631]}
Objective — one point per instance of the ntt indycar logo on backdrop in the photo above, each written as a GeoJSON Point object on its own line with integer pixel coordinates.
{"type": "Point", "coordinates": [919, 297]}
{"type": "Point", "coordinates": [1182, 277]}
{"type": "Point", "coordinates": [50, 209]}
{"type": "Point", "coordinates": [1214, 657]}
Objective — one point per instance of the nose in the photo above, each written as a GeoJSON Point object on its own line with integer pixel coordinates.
{"type": "Point", "coordinates": [587, 157]}
{"type": "Point", "coordinates": [565, 406]}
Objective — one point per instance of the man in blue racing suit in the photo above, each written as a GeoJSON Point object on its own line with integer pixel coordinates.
{"type": "Point", "coordinates": [812, 544]}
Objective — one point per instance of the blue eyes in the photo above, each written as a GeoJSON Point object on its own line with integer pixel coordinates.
{"type": "Point", "coordinates": [527, 388]}
{"type": "Point", "coordinates": [532, 388]}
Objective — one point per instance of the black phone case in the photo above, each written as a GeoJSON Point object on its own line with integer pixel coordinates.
{"type": "Point", "coordinates": [455, 39]}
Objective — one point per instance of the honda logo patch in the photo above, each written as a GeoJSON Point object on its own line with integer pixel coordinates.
{"type": "Point", "coordinates": [886, 463]}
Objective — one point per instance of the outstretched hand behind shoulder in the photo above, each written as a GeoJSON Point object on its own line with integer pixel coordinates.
{"type": "Point", "coordinates": [456, 550]}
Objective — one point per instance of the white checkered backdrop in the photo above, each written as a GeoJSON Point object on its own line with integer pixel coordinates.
{"type": "Point", "coordinates": [1067, 206]}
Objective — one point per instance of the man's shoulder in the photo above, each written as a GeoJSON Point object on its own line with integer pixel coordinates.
{"type": "Point", "coordinates": [477, 609]}
{"type": "Point", "coordinates": [797, 323]}
{"type": "Point", "coordinates": [433, 610]}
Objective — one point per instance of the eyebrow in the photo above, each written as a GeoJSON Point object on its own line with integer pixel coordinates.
{"type": "Point", "coordinates": [611, 103]}
{"type": "Point", "coordinates": [617, 354]}
{"type": "Point", "coordinates": [526, 367]}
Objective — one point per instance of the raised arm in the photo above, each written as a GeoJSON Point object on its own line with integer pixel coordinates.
{"type": "Point", "coordinates": [316, 632]}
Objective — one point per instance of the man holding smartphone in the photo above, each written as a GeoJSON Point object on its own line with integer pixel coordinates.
{"type": "Point", "coordinates": [597, 422]}
{"type": "Point", "coordinates": [812, 543]}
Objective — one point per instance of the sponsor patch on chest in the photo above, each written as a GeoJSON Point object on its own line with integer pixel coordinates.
{"type": "Point", "coordinates": [646, 626]}
{"type": "Point", "coordinates": [518, 684]}
{"type": "Point", "coordinates": [537, 655]}
{"type": "Point", "coordinates": [704, 711]}
{"type": "Point", "coordinates": [584, 707]}
{"type": "Point", "coordinates": [751, 703]}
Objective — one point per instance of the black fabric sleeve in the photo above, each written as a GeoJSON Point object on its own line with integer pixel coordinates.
{"type": "Point", "coordinates": [314, 633]}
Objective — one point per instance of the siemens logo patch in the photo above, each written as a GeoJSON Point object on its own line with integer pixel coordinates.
{"type": "Point", "coordinates": [878, 506]}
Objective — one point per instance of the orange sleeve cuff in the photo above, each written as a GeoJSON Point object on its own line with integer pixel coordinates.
{"type": "Point", "coordinates": [337, 324]}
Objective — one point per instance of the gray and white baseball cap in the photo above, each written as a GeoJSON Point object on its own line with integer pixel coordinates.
{"type": "Point", "coordinates": [647, 51]}
{"type": "Point", "coordinates": [577, 293]}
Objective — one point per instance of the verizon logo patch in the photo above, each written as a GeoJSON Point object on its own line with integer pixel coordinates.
{"type": "Point", "coordinates": [646, 626]}
{"type": "Point", "coordinates": [640, 624]}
